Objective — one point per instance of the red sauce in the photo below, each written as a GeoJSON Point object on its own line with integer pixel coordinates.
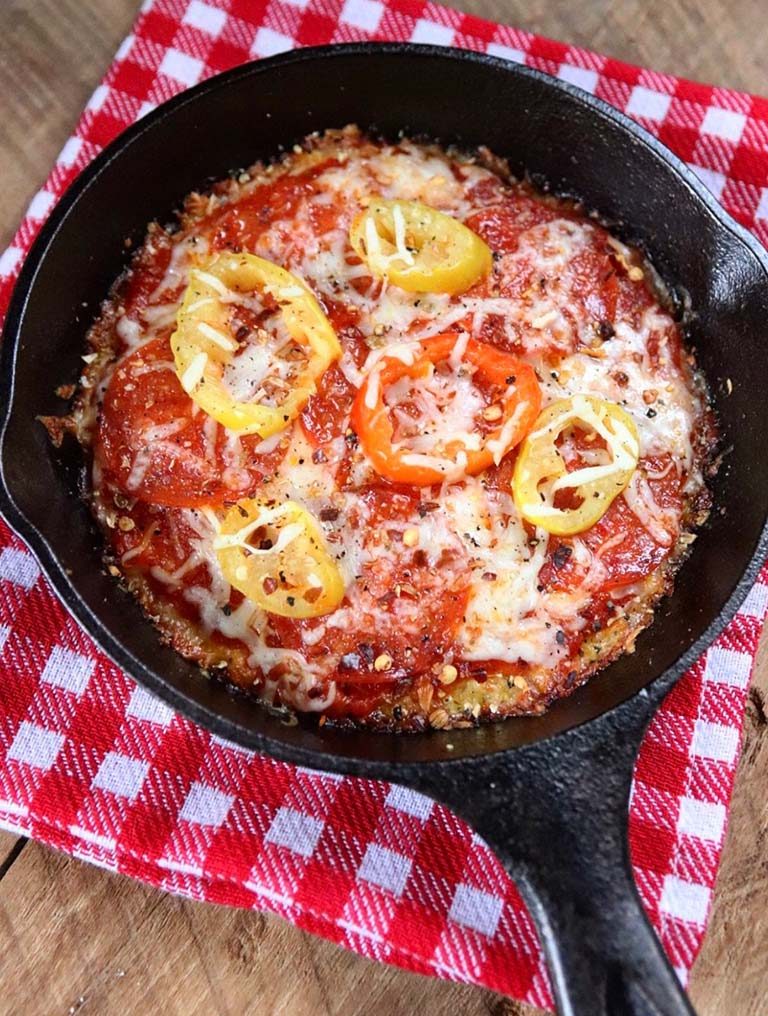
{"type": "Point", "coordinates": [186, 466]}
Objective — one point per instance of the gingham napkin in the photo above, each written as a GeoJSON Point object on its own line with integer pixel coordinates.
{"type": "Point", "coordinates": [94, 766]}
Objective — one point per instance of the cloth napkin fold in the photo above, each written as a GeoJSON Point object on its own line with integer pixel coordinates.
{"type": "Point", "coordinates": [93, 765]}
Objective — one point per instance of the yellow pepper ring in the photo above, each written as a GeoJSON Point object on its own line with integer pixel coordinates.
{"type": "Point", "coordinates": [277, 557]}
{"type": "Point", "coordinates": [202, 345]}
{"type": "Point", "coordinates": [540, 472]}
{"type": "Point", "coordinates": [418, 248]}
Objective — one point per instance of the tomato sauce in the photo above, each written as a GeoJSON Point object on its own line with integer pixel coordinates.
{"type": "Point", "coordinates": [159, 454]}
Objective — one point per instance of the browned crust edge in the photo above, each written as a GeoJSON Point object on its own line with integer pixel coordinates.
{"type": "Point", "coordinates": [468, 703]}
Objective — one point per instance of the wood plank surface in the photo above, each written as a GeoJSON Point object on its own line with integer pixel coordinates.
{"type": "Point", "coordinates": [76, 939]}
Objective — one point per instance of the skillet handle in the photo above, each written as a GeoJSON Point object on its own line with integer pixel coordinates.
{"type": "Point", "coordinates": [556, 815]}
{"type": "Point", "coordinates": [603, 956]}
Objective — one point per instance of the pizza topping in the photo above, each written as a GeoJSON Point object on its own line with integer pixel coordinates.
{"type": "Point", "coordinates": [472, 606]}
{"type": "Point", "coordinates": [541, 472]}
{"type": "Point", "coordinates": [277, 557]}
{"type": "Point", "coordinates": [153, 442]}
{"type": "Point", "coordinates": [445, 408]}
{"type": "Point", "coordinates": [259, 379]}
{"type": "Point", "coordinates": [419, 248]}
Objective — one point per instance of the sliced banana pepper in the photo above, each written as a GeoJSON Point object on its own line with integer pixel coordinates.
{"type": "Point", "coordinates": [203, 346]}
{"type": "Point", "coordinates": [276, 556]}
{"type": "Point", "coordinates": [540, 471]}
{"type": "Point", "coordinates": [419, 248]}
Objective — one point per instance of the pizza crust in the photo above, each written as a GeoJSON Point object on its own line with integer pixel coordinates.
{"type": "Point", "coordinates": [423, 700]}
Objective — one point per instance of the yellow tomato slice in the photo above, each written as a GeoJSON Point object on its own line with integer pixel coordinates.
{"type": "Point", "coordinates": [540, 471]}
{"type": "Point", "coordinates": [276, 556]}
{"type": "Point", "coordinates": [418, 248]}
{"type": "Point", "coordinates": [203, 346]}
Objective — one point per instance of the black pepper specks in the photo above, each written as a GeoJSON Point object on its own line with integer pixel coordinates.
{"type": "Point", "coordinates": [561, 556]}
{"type": "Point", "coordinates": [366, 652]}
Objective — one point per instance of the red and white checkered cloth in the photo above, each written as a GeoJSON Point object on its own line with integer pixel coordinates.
{"type": "Point", "coordinates": [94, 766]}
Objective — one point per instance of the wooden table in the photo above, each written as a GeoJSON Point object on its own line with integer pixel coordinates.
{"type": "Point", "coordinates": [75, 939]}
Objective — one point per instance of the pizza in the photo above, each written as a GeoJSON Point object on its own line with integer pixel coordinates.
{"type": "Point", "coordinates": [386, 438]}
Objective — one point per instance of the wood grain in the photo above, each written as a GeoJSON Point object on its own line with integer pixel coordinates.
{"type": "Point", "coordinates": [76, 939]}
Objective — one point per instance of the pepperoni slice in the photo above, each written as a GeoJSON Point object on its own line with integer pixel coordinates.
{"type": "Point", "coordinates": [146, 274]}
{"type": "Point", "coordinates": [159, 537]}
{"type": "Point", "coordinates": [406, 609]}
{"type": "Point", "coordinates": [326, 413]}
{"type": "Point", "coordinates": [501, 225]}
{"type": "Point", "coordinates": [594, 283]}
{"type": "Point", "coordinates": [595, 286]}
{"type": "Point", "coordinates": [626, 560]}
{"type": "Point", "coordinates": [157, 446]}
{"type": "Point", "coordinates": [239, 226]}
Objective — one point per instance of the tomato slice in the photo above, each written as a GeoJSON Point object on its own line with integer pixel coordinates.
{"type": "Point", "coordinates": [156, 445]}
{"type": "Point", "coordinates": [418, 248]}
{"type": "Point", "coordinates": [464, 433]}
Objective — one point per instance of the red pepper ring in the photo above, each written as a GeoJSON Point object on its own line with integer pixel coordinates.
{"type": "Point", "coordinates": [370, 419]}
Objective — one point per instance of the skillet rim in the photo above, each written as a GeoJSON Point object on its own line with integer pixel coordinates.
{"type": "Point", "coordinates": [321, 756]}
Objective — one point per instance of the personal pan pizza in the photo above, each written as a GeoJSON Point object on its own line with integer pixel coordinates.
{"type": "Point", "coordinates": [387, 438]}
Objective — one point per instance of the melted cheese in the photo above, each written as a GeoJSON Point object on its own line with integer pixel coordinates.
{"type": "Point", "coordinates": [509, 616]}
{"type": "Point", "coordinates": [434, 412]}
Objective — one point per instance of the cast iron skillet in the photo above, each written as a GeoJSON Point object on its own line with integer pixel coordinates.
{"type": "Point", "coordinates": [549, 795]}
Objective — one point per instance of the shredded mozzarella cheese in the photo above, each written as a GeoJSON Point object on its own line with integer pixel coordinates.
{"type": "Point", "coordinates": [509, 616]}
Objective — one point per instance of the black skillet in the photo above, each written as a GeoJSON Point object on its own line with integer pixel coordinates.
{"type": "Point", "coordinates": [549, 795]}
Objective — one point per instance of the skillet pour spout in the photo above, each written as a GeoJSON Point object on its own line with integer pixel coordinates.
{"type": "Point", "coordinates": [549, 794]}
